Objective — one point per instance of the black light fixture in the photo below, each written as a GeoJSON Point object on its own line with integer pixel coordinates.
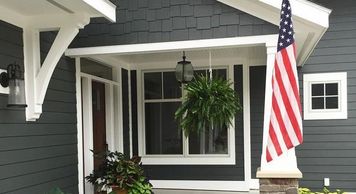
{"type": "Point", "coordinates": [184, 71]}
{"type": "Point", "coordinates": [15, 81]}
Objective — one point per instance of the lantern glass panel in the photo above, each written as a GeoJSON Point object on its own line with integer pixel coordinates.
{"type": "Point", "coordinates": [16, 93]}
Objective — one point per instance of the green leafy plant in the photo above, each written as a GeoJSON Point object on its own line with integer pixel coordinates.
{"type": "Point", "coordinates": [208, 103]}
{"type": "Point", "coordinates": [56, 191]}
{"type": "Point", "coordinates": [141, 187]}
{"type": "Point", "coordinates": [324, 191]}
{"type": "Point", "coordinates": [116, 171]}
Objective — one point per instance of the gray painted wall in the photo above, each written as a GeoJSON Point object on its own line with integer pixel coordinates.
{"type": "Point", "coordinates": [144, 21]}
{"type": "Point", "coordinates": [37, 156]}
{"type": "Point", "coordinates": [329, 148]}
{"type": "Point", "coordinates": [257, 101]}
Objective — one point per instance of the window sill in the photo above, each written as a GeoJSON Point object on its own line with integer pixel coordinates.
{"type": "Point", "coordinates": [189, 160]}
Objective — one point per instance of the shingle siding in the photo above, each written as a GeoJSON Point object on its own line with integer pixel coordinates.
{"type": "Point", "coordinates": [178, 19]}
{"type": "Point", "coordinates": [37, 156]}
{"type": "Point", "coordinates": [329, 148]}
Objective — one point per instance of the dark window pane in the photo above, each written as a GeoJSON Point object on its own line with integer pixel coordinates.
{"type": "Point", "coordinates": [200, 72]}
{"type": "Point", "coordinates": [219, 73]}
{"type": "Point", "coordinates": [162, 134]}
{"type": "Point", "coordinates": [317, 89]}
{"type": "Point", "coordinates": [332, 102]}
{"type": "Point", "coordinates": [209, 142]}
{"type": "Point", "coordinates": [171, 87]}
{"type": "Point", "coordinates": [153, 85]}
{"type": "Point", "coordinates": [318, 103]}
{"type": "Point", "coordinates": [332, 89]}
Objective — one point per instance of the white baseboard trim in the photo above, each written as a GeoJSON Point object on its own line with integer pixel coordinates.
{"type": "Point", "coordinates": [201, 185]}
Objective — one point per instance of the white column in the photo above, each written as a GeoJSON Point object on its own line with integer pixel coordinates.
{"type": "Point", "coordinates": [284, 166]}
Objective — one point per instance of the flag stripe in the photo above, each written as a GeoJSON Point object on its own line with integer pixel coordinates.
{"type": "Point", "coordinates": [285, 122]}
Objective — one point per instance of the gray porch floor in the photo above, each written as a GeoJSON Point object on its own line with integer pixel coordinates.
{"type": "Point", "coordinates": [171, 191]}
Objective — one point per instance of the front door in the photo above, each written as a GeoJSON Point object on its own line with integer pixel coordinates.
{"type": "Point", "coordinates": [99, 121]}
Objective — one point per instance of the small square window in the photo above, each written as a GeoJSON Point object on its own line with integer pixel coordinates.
{"type": "Point", "coordinates": [325, 96]}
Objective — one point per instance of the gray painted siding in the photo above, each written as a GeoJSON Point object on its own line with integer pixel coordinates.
{"type": "Point", "coordinates": [329, 148]}
{"type": "Point", "coordinates": [257, 101]}
{"type": "Point", "coordinates": [209, 172]}
{"type": "Point", "coordinates": [36, 156]}
{"type": "Point", "coordinates": [145, 21]}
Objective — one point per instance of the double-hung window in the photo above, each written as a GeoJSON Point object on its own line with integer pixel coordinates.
{"type": "Point", "coordinates": [163, 140]}
{"type": "Point", "coordinates": [325, 96]}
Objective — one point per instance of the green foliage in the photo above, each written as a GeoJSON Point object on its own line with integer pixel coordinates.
{"type": "Point", "coordinates": [208, 104]}
{"type": "Point", "coordinates": [56, 191]}
{"type": "Point", "coordinates": [141, 187]}
{"type": "Point", "coordinates": [325, 191]}
{"type": "Point", "coordinates": [118, 171]}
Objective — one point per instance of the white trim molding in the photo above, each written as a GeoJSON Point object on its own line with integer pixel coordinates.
{"type": "Point", "coordinates": [201, 185]}
{"type": "Point", "coordinates": [162, 47]}
{"type": "Point", "coordinates": [340, 78]}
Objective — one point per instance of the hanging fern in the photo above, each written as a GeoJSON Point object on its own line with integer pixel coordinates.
{"type": "Point", "coordinates": [207, 104]}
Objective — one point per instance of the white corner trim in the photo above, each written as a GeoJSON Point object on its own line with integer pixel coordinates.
{"type": "Point", "coordinates": [173, 46]}
{"type": "Point", "coordinates": [201, 185]}
{"type": "Point", "coordinates": [341, 112]}
{"type": "Point", "coordinates": [78, 85]}
{"type": "Point", "coordinates": [105, 7]}
{"type": "Point", "coordinates": [2, 89]}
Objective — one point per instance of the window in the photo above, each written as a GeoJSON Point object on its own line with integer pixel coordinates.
{"type": "Point", "coordinates": [163, 140]}
{"type": "Point", "coordinates": [325, 96]}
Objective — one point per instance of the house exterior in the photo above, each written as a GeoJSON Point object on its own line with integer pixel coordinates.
{"type": "Point", "coordinates": [115, 86]}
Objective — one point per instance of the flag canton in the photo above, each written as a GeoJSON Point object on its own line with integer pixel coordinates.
{"type": "Point", "coordinates": [286, 32]}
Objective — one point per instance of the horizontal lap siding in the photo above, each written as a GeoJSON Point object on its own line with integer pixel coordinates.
{"type": "Point", "coordinates": [330, 145]}
{"type": "Point", "coordinates": [146, 21]}
{"type": "Point", "coordinates": [37, 156]}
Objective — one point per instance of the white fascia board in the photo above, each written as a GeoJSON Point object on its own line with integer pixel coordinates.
{"type": "Point", "coordinates": [173, 46]}
{"type": "Point", "coordinates": [105, 7]}
{"type": "Point", "coordinates": [306, 10]}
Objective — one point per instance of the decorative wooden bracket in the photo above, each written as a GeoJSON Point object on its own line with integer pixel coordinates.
{"type": "Point", "coordinates": [37, 76]}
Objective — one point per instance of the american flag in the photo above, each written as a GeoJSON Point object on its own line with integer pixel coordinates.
{"type": "Point", "coordinates": [285, 126]}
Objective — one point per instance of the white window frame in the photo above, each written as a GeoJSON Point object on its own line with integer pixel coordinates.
{"type": "Point", "coordinates": [185, 158]}
{"type": "Point", "coordinates": [325, 78]}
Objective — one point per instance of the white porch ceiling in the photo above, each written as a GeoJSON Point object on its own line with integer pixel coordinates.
{"type": "Point", "coordinates": [22, 12]}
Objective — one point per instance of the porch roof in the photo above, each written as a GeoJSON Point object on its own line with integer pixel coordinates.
{"type": "Point", "coordinates": [310, 21]}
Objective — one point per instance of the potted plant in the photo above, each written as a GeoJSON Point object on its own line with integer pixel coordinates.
{"type": "Point", "coordinates": [208, 103]}
{"type": "Point", "coordinates": [119, 175]}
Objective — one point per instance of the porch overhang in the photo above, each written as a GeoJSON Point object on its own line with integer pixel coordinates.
{"type": "Point", "coordinates": [36, 16]}
{"type": "Point", "coordinates": [309, 19]}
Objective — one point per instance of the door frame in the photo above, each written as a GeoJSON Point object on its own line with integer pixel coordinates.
{"type": "Point", "coordinates": [114, 122]}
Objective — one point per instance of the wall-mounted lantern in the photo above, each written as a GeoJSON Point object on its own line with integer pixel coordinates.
{"type": "Point", "coordinates": [15, 81]}
{"type": "Point", "coordinates": [184, 71]}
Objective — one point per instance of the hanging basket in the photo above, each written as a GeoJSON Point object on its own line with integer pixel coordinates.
{"type": "Point", "coordinates": [208, 104]}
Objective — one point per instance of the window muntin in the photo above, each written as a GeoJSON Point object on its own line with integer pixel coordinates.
{"type": "Point", "coordinates": [325, 96]}
{"type": "Point", "coordinates": [162, 97]}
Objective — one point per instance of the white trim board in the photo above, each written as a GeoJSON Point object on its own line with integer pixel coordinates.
{"type": "Point", "coordinates": [201, 185]}
{"type": "Point", "coordinates": [173, 46]}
